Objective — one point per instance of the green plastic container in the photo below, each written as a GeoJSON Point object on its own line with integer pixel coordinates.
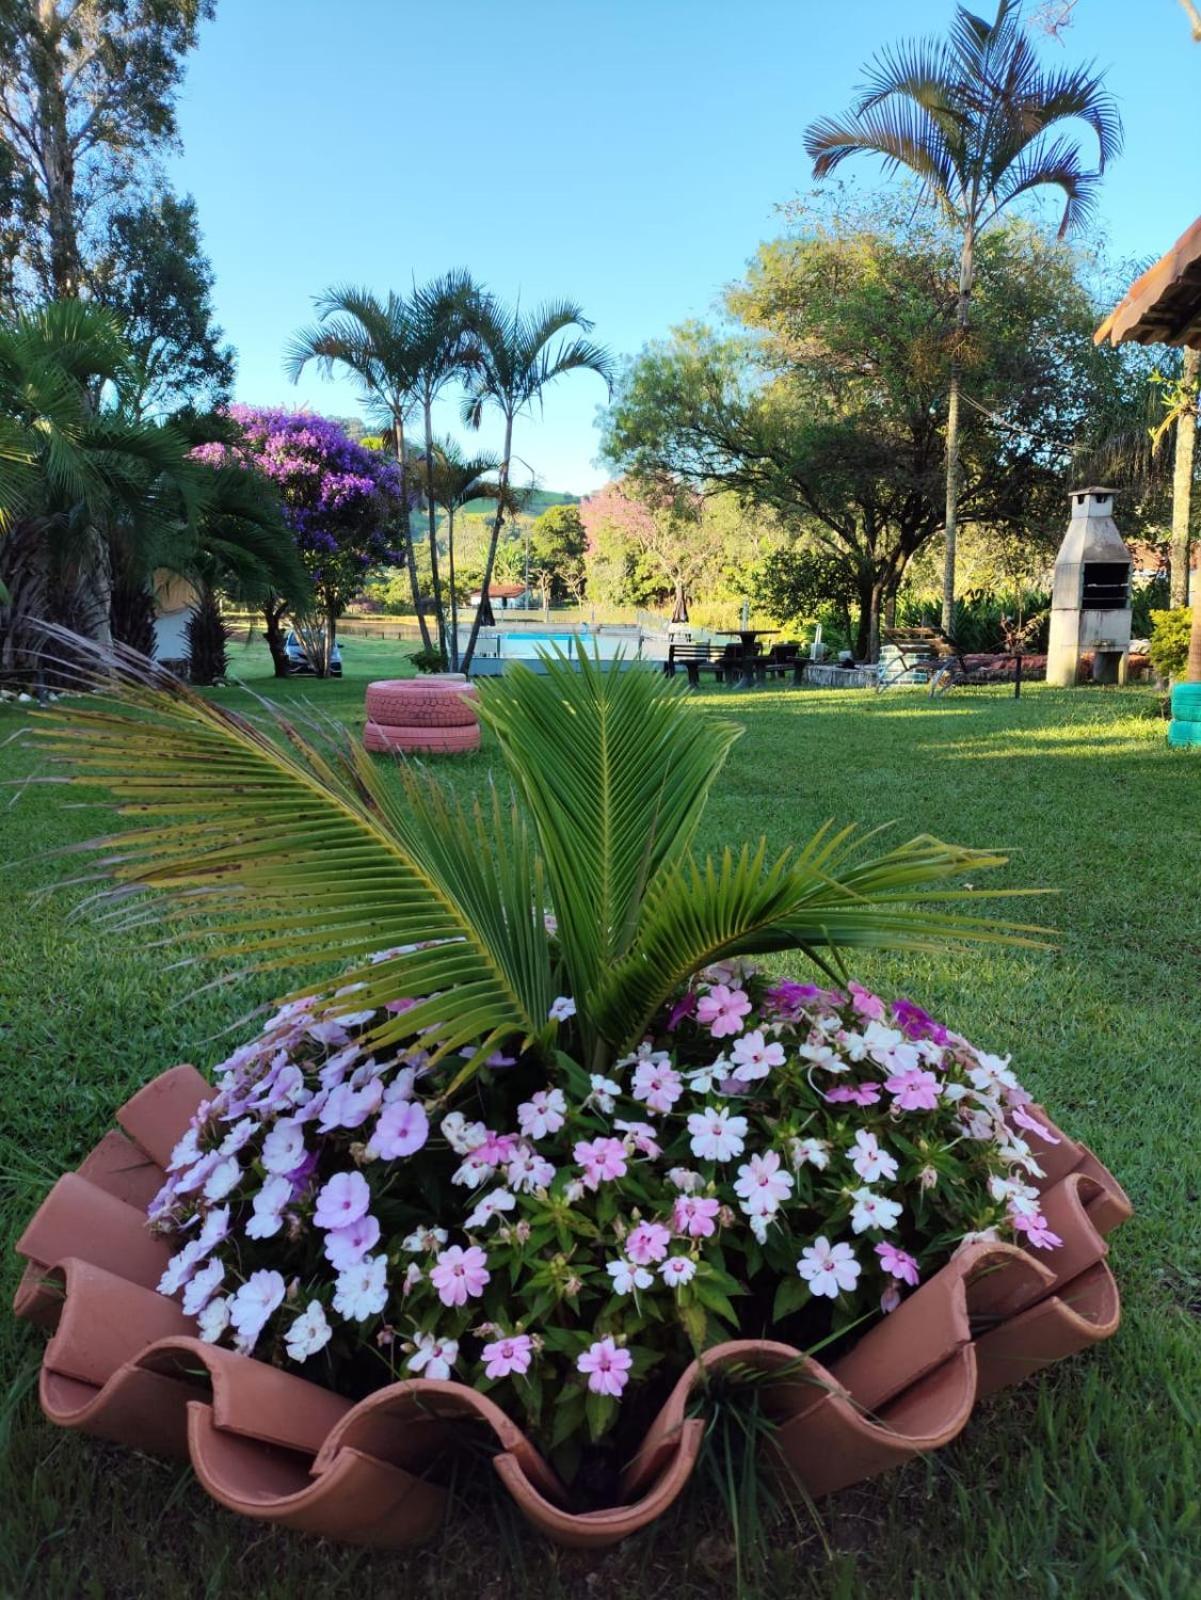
{"type": "Point", "coordinates": [1186, 702]}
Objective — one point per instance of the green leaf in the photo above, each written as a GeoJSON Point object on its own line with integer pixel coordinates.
{"type": "Point", "coordinates": [791, 1294]}
{"type": "Point", "coordinates": [601, 1413]}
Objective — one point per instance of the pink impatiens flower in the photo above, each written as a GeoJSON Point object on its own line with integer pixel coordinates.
{"type": "Point", "coordinates": [402, 1129]}
{"type": "Point", "coordinates": [914, 1090]}
{"type": "Point", "coordinates": [460, 1275]}
{"type": "Point", "coordinates": [542, 1113]}
{"type": "Point", "coordinates": [344, 1247]}
{"type": "Point", "coordinates": [648, 1242]}
{"type": "Point", "coordinates": [853, 1094]}
{"type": "Point", "coordinates": [434, 1357]}
{"type": "Point", "coordinates": [869, 1160]}
{"type": "Point", "coordinates": [722, 1010]}
{"type": "Point", "coordinates": [1036, 1229]}
{"type": "Point", "coordinates": [657, 1083]}
{"type": "Point", "coordinates": [753, 1057]}
{"type": "Point", "coordinates": [694, 1217]}
{"type": "Point", "coordinates": [343, 1199]}
{"type": "Point", "coordinates": [607, 1366]}
{"type": "Point", "coordinates": [601, 1159]}
{"type": "Point", "coordinates": [828, 1268]}
{"type": "Point", "coordinates": [762, 1184]}
{"type": "Point", "coordinates": [899, 1263]}
{"type": "Point", "coordinates": [1032, 1125]}
{"type": "Point", "coordinates": [505, 1356]}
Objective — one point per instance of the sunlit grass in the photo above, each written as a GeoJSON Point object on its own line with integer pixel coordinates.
{"type": "Point", "coordinates": [1082, 1483]}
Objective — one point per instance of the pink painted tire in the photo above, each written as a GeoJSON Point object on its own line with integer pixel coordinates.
{"type": "Point", "coordinates": [385, 739]}
{"type": "Point", "coordinates": [422, 702]}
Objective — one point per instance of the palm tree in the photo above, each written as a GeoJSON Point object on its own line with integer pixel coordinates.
{"type": "Point", "coordinates": [614, 770]}
{"type": "Point", "coordinates": [376, 342]}
{"type": "Point", "coordinates": [977, 120]}
{"type": "Point", "coordinates": [74, 462]}
{"type": "Point", "coordinates": [450, 480]}
{"type": "Point", "coordinates": [516, 360]}
{"type": "Point", "coordinates": [445, 350]}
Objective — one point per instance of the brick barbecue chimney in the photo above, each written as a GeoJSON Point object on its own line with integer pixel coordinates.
{"type": "Point", "coordinates": [1090, 602]}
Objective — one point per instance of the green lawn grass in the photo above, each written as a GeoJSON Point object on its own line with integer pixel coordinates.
{"type": "Point", "coordinates": [1084, 1482]}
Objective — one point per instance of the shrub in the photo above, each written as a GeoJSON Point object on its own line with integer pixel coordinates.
{"type": "Point", "coordinates": [1169, 640]}
{"type": "Point", "coordinates": [431, 660]}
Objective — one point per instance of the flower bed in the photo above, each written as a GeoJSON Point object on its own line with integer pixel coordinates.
{"type": "Point", "coordinates": [778, 1168]}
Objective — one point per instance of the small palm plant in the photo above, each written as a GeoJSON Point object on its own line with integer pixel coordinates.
{"type": "Point", "coordinates": [505, 1149]}
{"type": "Point", "coordinates": [251, 825]}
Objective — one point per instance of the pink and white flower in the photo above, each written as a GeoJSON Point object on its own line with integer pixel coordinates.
{"type": "Point", "coordinates": [716, 1134]}
{"type": "Point", "coordinates": [872, 1210]}
{"type": "Point", "coordinates": [214, 1319]}
{"type": "Point", "coordinates": [695, 1216]}
{"type": "Point", "coordinates": [402, 1130]}
{"type": "Point", "coordinates": [492, 1204]}
{"type": "Point", "coordinates": [676, 1271]}
{"type": "Point", "coordinates": [627, 1276]}
{"type": "Point", "coordinates": [283, 1148]}
{"type": "Point", "coordinates": [828, 1269]}
{"type": "Point", "coordinates": [870, 1160]}
{"type": "Point", "coordinates": [504, 1357]}
{"type": "Point", "coordinates": [604, 1093]}
{"type": "Point", "coordinates": [762, 1183]}
{"type": "Point", "coordinates": [898, 1263]}
{"type": "Point", "coordinates": [657, 1083]}
{"type": "Point", "coordinates": [269, 1203]}
{"type": "Point", "coordinates": [543, 1113]}
{"type": "Point", "coordinates": [602, 1160]}
{"type": "Point", "coordinates": [460, 1275]}
{"type": "Point", "coordinates": [345, 1247]}
{"type": "Point", "coordinates": [361, 1291]}
{"type": "Point", "coordinates": [202, 1288]}
{"type": "Point", "coordinates": [809, 1152]}
{"type": "Point", "coordinates": [341, 1200]}
{"type": "Point", "coordinates": [753, 1058]}
{"type": "Point", "coordinates": [914, 1090]}
{"type": "Point", "coordinates": [647, 1242]}
{"type": "Point", "coordinates": [252, 1306]}
{"type": "Point", "coordinates": [722, 1009]}
{"type": "Point", "coordinates": [309, 1333]}
{"type": "Point", "coordinates": [528, 1171]}
{"type": "Point", "coordinates": [607, 1365]}
{"type": "Point", "coordinates": [433, 1356]}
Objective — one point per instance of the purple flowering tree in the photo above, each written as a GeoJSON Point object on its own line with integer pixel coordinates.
{"type": "Point", "coordinates": [340, 501]}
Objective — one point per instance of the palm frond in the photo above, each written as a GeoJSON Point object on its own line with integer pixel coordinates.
{"type": "Point", "coordinates": [821, 900]}
{"type": "Point", "coordinates": [280, 848]}
{"type": "Point", "coordinates": [615, 768]}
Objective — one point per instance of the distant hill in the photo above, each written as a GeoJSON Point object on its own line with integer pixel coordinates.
{"type": "Point", "coordinates": [539, 500]}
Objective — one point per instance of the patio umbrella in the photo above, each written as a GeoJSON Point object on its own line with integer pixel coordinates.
{"type": "Point", "coordinates": [680, 614]}
{"type": "Point", "coordinates": [487, 620]}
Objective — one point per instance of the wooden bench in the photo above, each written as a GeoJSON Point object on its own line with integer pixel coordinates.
{"type": "Point", "coordinates": [695, 659]}
{"type": "Point", "coordinates": [782, 660]}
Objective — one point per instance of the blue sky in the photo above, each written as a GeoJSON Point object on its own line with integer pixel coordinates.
{"type": "Point", "coordinates": [628, 153]}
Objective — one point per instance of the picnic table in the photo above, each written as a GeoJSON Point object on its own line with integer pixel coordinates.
{"type": "Point", "coordinates": [749, 638]}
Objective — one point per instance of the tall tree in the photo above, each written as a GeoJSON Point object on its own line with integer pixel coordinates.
{"type": "Point", "coordinates": [450, 480]}
{"type": "Point", "coordinates": [519, 354]}
{"type": "Point", "coordinates": [377, 343]}
{"type": "Point", "coordinates": [1185, 428]}
{"type": "Point", "coordinates": [87, 108]}
{"type": "Point", "coordinates": [558, 545]}
{"type": "Point", "coordinates": [978, 121]}
{"type": "Point", "coordinates": [821, 402]}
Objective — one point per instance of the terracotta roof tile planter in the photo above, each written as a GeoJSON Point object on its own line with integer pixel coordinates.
{"type": "Point", "coordinates": [122, 1363]}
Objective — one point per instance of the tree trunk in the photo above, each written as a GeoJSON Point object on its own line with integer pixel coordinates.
{"type": "Point", "coordinates": [502, 478]}
{"type": "Point", "coordinates": [439, 613]}
{"type": "Point", "coordinates": [1182, 484]}
{"type": "Point", "coordinates": [406, 523]}
{"type": "Point", "coordinates": [454, 599]}
{"type": "Point", "coordinates": [962, 315]}
{"type": "Point", "coordinates": [57, 157]}
{"type": "Point", "coordinates": [273, 613]}
{"type": "Point", "coordinates": [25, 575]}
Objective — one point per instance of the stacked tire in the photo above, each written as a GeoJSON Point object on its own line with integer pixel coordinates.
{"type": "Point", "coordinates": [435, 715]}
{"type": "Point", "coordinates": [1184, 730]}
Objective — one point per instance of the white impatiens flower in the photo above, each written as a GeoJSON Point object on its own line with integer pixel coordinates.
{"type": "Point", "coordinates": [180, 1268]}
{"type": "Point", "coordinates": [214, 1319]}
{"type": "Point", "coordinates": [871, 1210]}
{"type": "Point", "coordinates": [762, 1184]}
{"type": "Point", "coordinates": [562, 1009]}
{"type": "Point", "coordinates": [529, 1171]}
{"type": "Point", "coordinates": [202, 1288]}
{"type": "Point", "coordinates": [186, 1151]}
{"type": "Point", "coordinates": [627, 1276]}
{"type": "Point", "coordinates": [309, 1333]}
{"type": "Point", "coordinates": [809, 1152]}
{"type": "Point", "coordinates": [828, 1268]}
{"type": "Point", "coordinates": [604, 1093]}
{"type": "Point", "coordinates": [716, 1135]}
{"type": "Point", "coordinates": [237, 1136]}
{"type": "Point", "coordinates": [253, 1304]}
{"type": "Point", "coordinates": [214, 1230]}
{"type": "Point", "coordinates": [223, 1179]}
{"type": "Point", "coordinates": [462, 1136]}
{"type": "Point", "coordinates": [269, 1203]}
{"type": "Point", "coordinates": [422, 1239]}
{"type": "Point", "coordinates": [490, 1206]}
{"type": "Point", "coordinates": [361, 1291]}
{"type": "Point", "coordinates": [869, 1160]}
{"type": "Point", "coordinates": [676, 1271]}
{"type": "Point", "coordinates": [822, 1055]}
{"type": "Point", "coordinates": [685, 1180]}
{"type": "Point", "coordinates": [435, 1357]}
{"type": "Point", "coordinates": [283, 1148]}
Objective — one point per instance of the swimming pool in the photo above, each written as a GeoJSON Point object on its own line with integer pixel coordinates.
{"type": "Point", "coordinates": [526, 644]}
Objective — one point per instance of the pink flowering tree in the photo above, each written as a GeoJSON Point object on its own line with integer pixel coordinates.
{"type": "Point", "coordinates": [340, 501]}
{"type": "Point", "coordinates": [648, 539]}
{"type": "Point", "coordinates": [553, 1132]}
